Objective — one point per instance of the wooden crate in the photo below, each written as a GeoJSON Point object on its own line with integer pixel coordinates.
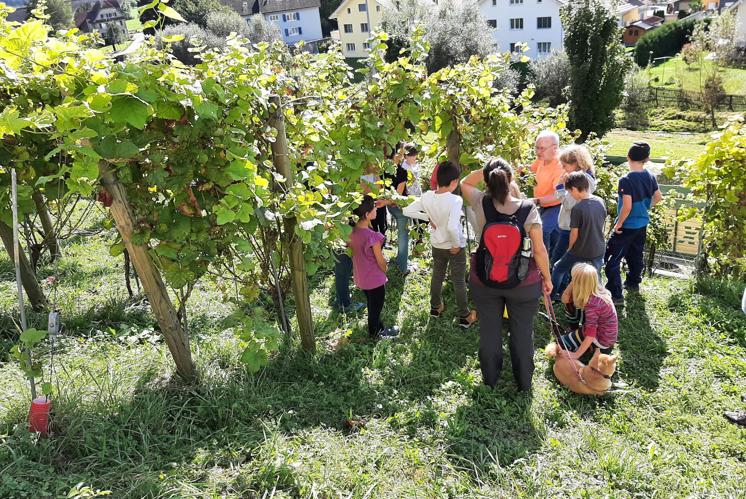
{"type": "Point", "coordinates": [684, 236]}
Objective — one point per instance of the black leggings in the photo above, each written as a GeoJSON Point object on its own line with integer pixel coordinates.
{"type": "Point", "coordinates": [375, 297]}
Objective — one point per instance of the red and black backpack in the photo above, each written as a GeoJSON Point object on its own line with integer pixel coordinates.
{"type": "Point", "coordinates": [504, 251]}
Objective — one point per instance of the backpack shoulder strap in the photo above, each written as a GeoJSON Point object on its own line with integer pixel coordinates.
{"type": "Point", "coordinates": [490, 212]}
{"type": "Point", "coordinates": [523, 212]}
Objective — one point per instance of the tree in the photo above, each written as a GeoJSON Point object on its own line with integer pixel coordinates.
{"type": "Point", "coordinates": [326, 9]}
{"type": "Point", "coordinates": [598, 65]}
{"type": "Point", "coordinates": [719, 37]}
{"type": "Point", "coordinates": [455, 31]}
{"type": "Point", "coordinates": [60, 12]}
{"type": "Point", "coordinates": [193, 11]}
{"type": "Point", "coordinates": [551, 77]}
{"type": "Point", "coordinates": [635, 103]}
{"type": "Point", "coordinates": [261, 30]}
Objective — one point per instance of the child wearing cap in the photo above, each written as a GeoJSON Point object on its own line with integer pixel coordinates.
{"type": "Point", "coordinates": [638, 193]}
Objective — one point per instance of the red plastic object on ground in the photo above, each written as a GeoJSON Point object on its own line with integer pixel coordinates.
{"type": "Point", "coordinates": [38, 416]}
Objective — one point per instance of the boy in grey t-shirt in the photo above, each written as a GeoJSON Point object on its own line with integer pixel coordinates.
{"type": "Point", "coordinates": [587, 243]}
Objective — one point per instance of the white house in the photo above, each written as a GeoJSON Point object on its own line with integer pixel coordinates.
{"type": "Point", "coordinates": [297, 19]}
{"type": "Point", "coordinates": [105, 16]}
{"type": "Point", "coordinates": [739, 9]}
{"type": "Point", "coordinates": [535, 23]}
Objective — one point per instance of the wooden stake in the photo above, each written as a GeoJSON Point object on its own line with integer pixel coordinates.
{"type": "Point", "coordinates": [50, 237]}
{"type": "Point", "coordinates": [453, 146]}
{"type": "Point", "coordinates": [28, 277]}
{"type": "Point", "coordinates": [164, 311]}
{"type": "Point", "coordinates": [297, 262]}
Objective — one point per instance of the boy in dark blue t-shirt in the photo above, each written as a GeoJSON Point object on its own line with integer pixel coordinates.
{"type": "Point", "coordinates": [638, 193]}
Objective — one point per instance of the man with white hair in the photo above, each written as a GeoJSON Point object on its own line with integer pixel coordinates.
{"type": "Point", "coordinates": [548, 171]}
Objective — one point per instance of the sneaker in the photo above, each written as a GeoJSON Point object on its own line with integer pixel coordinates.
{"type": "Point", "coordinates": [388, 332]}
{"type": "Point", "coordinates": [736, 417]}
{"type": "Point", "coordinates": [632, 289]}
{"type": "Point", "coordinates": [352, 308]}
{"type": "Point", "coordinates": [618, 302]}
{"type": "Point", "coordinates": [468, 319]}
{"type": "Point", "coordinates": [437, 312]}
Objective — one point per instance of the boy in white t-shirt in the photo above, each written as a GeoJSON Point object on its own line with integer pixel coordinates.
{"type": "Point", "coordinates": [442, 209]}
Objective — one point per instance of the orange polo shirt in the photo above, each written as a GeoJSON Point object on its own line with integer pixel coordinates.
{"type": "Point", "coordinates": [547, 178]}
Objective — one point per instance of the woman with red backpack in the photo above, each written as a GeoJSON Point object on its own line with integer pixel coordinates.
{"type": "Point", "coordinates": [509, 269]}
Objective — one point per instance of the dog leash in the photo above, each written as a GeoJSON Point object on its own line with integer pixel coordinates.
{"type": "Point", "coordinates": [556, 329]}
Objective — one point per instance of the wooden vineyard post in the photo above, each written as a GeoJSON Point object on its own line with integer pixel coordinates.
{"type": "Point", "coordinates": [28, 277]}
{"type": "Point", "coordinates": [453, 146]}
{"type": "Point", "coordinates": [297, 262]}
{"type": "Point", "coordinates": [50, 237]}
{"type": "Point", "coordinates": [152, 283]}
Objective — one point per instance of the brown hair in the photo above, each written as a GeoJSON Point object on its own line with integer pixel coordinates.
{"type": "Point", "coordinates": [498, 175]}
{"type": "Point", "coordinates": [577, 155]}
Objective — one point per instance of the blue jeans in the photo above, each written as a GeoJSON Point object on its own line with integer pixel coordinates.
{"type": "Point", "coordinates": [402, 231]}
{"type": "Point", "coordinates": [550, 229]}
{"type": "Point", "coordinates": [560, 248]}
{"type": "Point", "coordinates": [561, 271]}
{"type": "Point", "coordinates": [342, 275]}
{"type": "Point", "coordinates": [628, 245]}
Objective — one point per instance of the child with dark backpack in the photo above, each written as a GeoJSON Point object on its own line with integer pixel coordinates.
{"type": "Point", "coordinates": [509, 269]}
{"type": "Point", "coordinates": [443, 210]}
{"type": "Point", "coordinates": [369, 267]}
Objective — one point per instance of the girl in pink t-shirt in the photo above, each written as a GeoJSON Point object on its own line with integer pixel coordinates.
{"type": "Point", "coordinates": [369, 267]}
{"type": "Point", "coordinates": [598, 323]}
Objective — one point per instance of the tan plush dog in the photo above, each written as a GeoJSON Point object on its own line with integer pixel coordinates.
{"type": "Point", "coordinates": [593, 379]}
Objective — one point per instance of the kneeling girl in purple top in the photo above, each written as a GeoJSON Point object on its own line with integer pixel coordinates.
{"type": "Point", "coordinates": [599, 325]}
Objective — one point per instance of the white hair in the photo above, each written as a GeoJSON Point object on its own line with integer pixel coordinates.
{"type": "Point", "coordinates": [548, 134]}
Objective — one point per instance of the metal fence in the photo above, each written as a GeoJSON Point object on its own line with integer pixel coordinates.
{"type": "Point", "coordinates": [668, 97]}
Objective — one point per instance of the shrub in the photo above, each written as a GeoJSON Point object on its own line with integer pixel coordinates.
{"type": "Point", "coordinates": [194, 36]}
{"type": "Point", "coordinates": [261, 30]}
{"type": "Point", "coordinates": [598, 65]}
{"type": "Point", "coordinates": [690, 53]}
{"type": "Point", "coordinates": [664, 41]}
{"type": "Point", "coordinates": [223, 23]}
{"type": "Point", "coordinates": [713, 94]}
{"type": "Point", "coordinates": [551, 77]}
{"type": "Point", "coordinates": [716, 178]}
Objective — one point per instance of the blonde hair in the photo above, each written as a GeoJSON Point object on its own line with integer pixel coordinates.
{"type": "Point", "coordinates": [577, 155]}
{"type": "Point", "coordinates": [585, 283]}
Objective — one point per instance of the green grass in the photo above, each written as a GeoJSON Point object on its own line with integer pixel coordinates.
{"type": "Point", "coordinates": [123, 423]}
{"type": "Point", "coordinates": [663, 145]}
{"type": "Point", "coordinates": [134, 25]}
{"type": "Point", "coordinates": [675, 74]}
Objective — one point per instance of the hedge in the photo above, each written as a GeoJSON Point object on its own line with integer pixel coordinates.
{"type": "Point", "coordinates": [664, 41]}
